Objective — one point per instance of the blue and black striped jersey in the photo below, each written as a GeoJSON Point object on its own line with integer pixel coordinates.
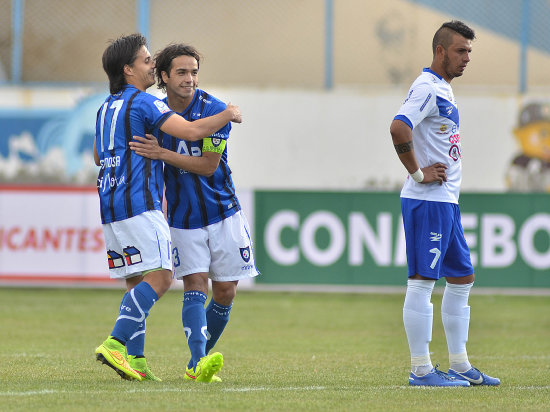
{"type": "Point", "coordinates": [193, 200]}
{"type": "Point", "coordinates": [128, 184]}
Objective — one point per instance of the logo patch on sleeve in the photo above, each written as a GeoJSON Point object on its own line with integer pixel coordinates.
{"type": "Point", "coordinates": [163, 108]}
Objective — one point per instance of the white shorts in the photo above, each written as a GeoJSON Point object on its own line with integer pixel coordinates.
{"type": "Point", "coordinates": [222, 249]}
{"type": "Point", "coordinates": [138, 244]}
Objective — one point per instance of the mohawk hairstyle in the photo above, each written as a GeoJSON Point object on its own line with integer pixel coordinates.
{"type": "Point", "coordinates": [443, 36]}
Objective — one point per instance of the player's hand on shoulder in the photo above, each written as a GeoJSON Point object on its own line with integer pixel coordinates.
{"type": "Point", "coordinates": [147, 146]}
{"type": "Point", "coordinates": [236, 112]}
{"type": "Point", "coordinates": [435, 173]}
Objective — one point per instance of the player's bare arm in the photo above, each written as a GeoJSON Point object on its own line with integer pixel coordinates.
{"type": "Point", "coordinates": [178, 127]}
{"type": "Point", "coordinates": [402, 141]}
{"type": "Point", "coordinates": [96, 155]}
{"type": "Point", "coordinates": [148, 146]}
{"type": "Point", "coordinates": [401, 148]}
{"type": "Point", "coordinates": [401, 135]}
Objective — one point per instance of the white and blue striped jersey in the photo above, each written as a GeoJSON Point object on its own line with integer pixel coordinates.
{"type": "Point", "coordinates": [431, 112]}
{"type": "Point", "coordinates": [193, 200]}
{"type": "Point", "coordinates": [128, 184]}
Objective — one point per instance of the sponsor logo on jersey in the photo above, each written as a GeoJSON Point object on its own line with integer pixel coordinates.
{"type": "Point", "coordinates": [454, 138]}
{"type": "Point", "coordinates": [454, 152]}
{"type": "Point", "coordinates": [442, 129]}
{"type": "Point", "coordinates": [245, 253]}
{"type": "Point", "coordinates": [163, 108]}
{"type": "Point", "coordinates": [132, 255]}
{"type": "Point", "coordinates": [112, 161]}
{"type": "Point", "coordinates": [216, 141]}
{"type": "Point", "coordinates": [445, 129]}
{"type": "Point", "coordinates": [435, 237]}
{"type": "Point", "coordinates": [110, 182]}
{"type": "Point", "coordinates": [115, 260]}
{"type": "Point", "coordinates": [201, 98]}
{"type": "Point", "coordinates": [449, 110]}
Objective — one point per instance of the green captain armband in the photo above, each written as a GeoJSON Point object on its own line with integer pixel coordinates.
{"type": "Point", "coordinates": [213, 144]}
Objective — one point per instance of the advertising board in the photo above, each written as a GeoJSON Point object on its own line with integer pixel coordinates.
{"type": "Point", "coordinates": [357, 238]}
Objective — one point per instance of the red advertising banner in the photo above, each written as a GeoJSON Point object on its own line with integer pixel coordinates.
{"type": "Point", "coordinates": [51, 236]}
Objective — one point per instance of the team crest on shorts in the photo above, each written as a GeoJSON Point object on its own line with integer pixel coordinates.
{"type": "Point", "coordinates": [245, 253]}
{"type": "Point", "coordinates": [132, 255]}
{"type": "Point", "coordinates": [115, 260]}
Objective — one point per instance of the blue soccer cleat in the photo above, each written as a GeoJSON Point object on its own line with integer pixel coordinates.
{"type": "Point", "coordinates": [436, 378]}
{"type": "Point", "coordinates": [475, 377]}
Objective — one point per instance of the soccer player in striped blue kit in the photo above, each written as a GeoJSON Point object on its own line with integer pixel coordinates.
{"type": "Point", "coordinates": [426, 136]}
{"type": "Point", "coordinates": [130, 187]}
{"type": "Point", "coordinates": [210, 234]}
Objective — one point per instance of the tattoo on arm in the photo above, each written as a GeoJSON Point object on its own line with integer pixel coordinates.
{"type": "Point", "coordinates": [403, 147]}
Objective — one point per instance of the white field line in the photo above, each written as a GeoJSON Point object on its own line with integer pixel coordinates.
{"type": "Point", "coordinates": [257, 389]}
{"type": "Point", "coordinates": [263, 388]}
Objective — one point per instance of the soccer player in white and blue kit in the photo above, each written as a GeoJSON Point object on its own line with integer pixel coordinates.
{"type": "Point", "coordinates": [426, 136]}
{"type": "Point", "coordinates": [130, 187]}
{"type": "Point", "coordinates": [210, 234]}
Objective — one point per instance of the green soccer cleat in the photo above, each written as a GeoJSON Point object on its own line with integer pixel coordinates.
{"type": "Point", "coordinates": [113, 354]}
{"type": "Point", "coordinates": [206, 369]}
{"type": "Point", "coordinates": [140, 366]}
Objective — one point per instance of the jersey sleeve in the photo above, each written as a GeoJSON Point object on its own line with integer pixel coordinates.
{"type": "Point", "coordinates": [419, 105]}
{"type": "Point", "coordinates": [155, 111]}
{"type": "Point", "coordinates": [216, 107]}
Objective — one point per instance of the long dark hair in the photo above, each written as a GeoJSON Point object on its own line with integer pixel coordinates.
{"type": "Point", "coordinates": [121, 52]}
{"type": "Point", "coordinates": [163, 59]}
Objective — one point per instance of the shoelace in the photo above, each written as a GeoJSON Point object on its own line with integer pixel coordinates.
{"type": "Point", "coordinates": [443, 374]}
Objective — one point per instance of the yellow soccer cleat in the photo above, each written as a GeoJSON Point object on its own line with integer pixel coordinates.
{"type": "Point", "coordinates": [140, 366]}
{"type": "Point", "coordinates": [113, 354]}
{"type": "Point", "coordinates": [206, 369]}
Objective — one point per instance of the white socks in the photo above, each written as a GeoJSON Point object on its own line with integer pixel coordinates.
{"type": "Point", "coordinates": [418, 320]}
{"type": "Point", "coordinates": [455, 314]}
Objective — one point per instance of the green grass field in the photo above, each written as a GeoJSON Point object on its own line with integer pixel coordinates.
{"type": "Point", "coordinates": [283, 351]}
